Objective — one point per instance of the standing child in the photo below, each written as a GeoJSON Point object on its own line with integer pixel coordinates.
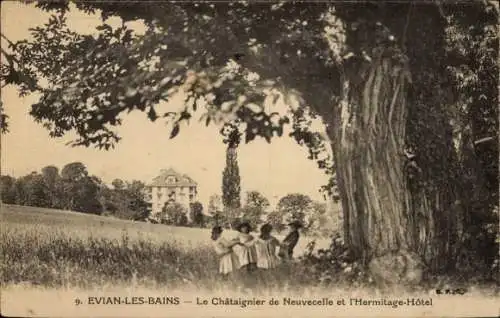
{"type": "Point", "coordinates": [246, 250]}
{"type": "Point", "coordinates": [228, 262]}
{"type": "Point", "coordinates": [266, 247]}
{"type": "Point", "coordinates": [290, 241]}
{"type": "Point", "coordinates": [246, 254]}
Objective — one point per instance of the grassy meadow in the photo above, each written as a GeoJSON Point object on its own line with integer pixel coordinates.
{"type": "Point", "coordinates": [50, 256]}
{"type": "Point", "coordinates": [53, 248]}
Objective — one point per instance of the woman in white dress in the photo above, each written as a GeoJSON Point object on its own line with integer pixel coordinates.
{"type": "Point", "coordinates": [228, 261]}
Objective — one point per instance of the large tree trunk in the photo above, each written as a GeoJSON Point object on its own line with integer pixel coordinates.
{"type": "Point", "coordinates": [368, 133]}
{"type": "Point", "coordinates": [390, 222]}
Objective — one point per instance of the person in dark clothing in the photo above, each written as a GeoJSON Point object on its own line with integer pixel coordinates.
{"type": "Point", "coordinates": [290, 241]}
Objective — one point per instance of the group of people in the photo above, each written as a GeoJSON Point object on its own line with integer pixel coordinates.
{"type": "Point", "coordinates": [245, 254]}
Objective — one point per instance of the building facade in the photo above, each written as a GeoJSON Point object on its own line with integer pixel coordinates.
{"type": "Point", "coordinates": [171, 186]}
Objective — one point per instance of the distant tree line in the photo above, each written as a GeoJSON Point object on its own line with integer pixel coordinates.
{"type": "Point", "coordinates": [314, 215]}
{"type": "Point", "coordinates": [73, 188]}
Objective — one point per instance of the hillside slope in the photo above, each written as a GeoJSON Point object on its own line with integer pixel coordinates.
{"type": "Point", "coordinates": [81, 225]}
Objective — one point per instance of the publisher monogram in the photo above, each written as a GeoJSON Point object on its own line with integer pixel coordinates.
{"type": "Point", "coordinates": [456, 291]}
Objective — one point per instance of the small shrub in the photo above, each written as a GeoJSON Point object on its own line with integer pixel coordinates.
{"type": "Point", "coordinates": [333, 266]}
{"type": "Point", "coordinates": [196, 214]}
{"type": "Point", "coordinates": [174, 213]}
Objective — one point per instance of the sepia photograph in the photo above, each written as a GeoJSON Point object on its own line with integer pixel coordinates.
{"type": "Point", "coordinates": [249, 158]}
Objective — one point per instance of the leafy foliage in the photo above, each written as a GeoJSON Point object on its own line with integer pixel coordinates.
{"type": "Point", "coordinates": [319, 221]}
{"type": "Point", "coordinates": [54, 185]}
{"type": "Point", "coordinates": [256, 199]}
{"type": "Point", "coordinates": [4, 125]}
{"type": "Point", "coordinates": [472, 51]}
{"type": "Point", "coordinates": [231, 184]}
{"type": "Point", "coordinates": [196, 214]}
{"type": "Point", "coordinates": [74, 189]}
{"type": "Point", "coordinates": [126, 200]}
{"type": "Point", "coordinates": [275, 218]}
{"type": "Point", "coordinates": [174, 213]}
{"type": "Point", "coordinates": [33, 191]}
{"type": "Point", "coordinates": [82, 190]}
{"type": "Point", "coordinates": [214, 204]}
{"type": "Point", "coordinates": [472, 47]}
{"type": "Point", "coordinates": [7, 186]}
{"type": "Point", "coordinates": [294, 207]}
{"type": "Point", "coordinates": [335, 266]}
{"type": "Point", "coordinates": [215, 211]}
{"type": "Point", "coordinates": [318, 145]}
{"type": "Point", "coordinates": [255, 208]}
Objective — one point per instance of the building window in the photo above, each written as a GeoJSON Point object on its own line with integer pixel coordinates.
{"type": "Point", "coordinates": [171, 179]}
{"type": "Point", "coordinates": [172, 195]}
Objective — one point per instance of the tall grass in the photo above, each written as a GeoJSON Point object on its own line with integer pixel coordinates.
{"type": "Point", "coordinates": [32, 255]}
{"type": "Point", "coordinates": [56, 259]}
{"type": "Point", "coordinates": [53, 248]}
{"type": "Point", "coordinates": [56, 249]}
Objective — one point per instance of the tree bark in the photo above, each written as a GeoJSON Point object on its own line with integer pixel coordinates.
{"type": "Point", "coordinates": [368, 133]}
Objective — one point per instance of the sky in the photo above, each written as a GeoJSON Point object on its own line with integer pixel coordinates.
{"type": "Point", "coordinates": [274, 169]}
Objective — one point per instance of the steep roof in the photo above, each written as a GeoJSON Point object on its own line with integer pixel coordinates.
{"type": "Point", "coordinates": [182, 180]}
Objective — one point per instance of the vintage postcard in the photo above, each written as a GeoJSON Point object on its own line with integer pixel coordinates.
{"type": "Point", "coordinates": [249, 159]}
